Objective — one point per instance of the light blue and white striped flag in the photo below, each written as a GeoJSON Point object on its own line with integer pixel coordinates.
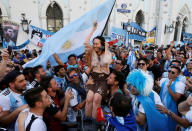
{"type": "Point", "coordinates": [131, 60]}
{"type": "Point", "coordinates": [70, 39]}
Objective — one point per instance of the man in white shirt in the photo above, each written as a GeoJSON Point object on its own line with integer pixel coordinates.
{"type": "Point", "coordinates": [11, 99]}
{"type": "Point", "coordinates": [172, 90]}
{"type": "Point", "coordinates": [38, 100]}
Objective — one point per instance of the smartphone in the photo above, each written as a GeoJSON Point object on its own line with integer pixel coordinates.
{"type": "Point", "coordinates": [10, 49]}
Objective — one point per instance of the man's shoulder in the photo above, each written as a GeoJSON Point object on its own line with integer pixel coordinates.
{"type": "Point", "coordinates": [5, 92]}
{"type": "Point", "coordinates": [180, 84]}
{"type": "Point", "coordinates": [38, 123]}
{"type": "Point", "coordinates": [5, 99]}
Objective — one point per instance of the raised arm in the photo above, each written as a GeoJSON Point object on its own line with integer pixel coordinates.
{"type": "Point", "coordinates": [58, 60]}
{"type": "Point", "coordinates": [140, 50]}
{"type": "Point", "coordinates": [92, 31]}
{"type": "Point", "coordinates": [169, 50]}
{"type": "Point", "coordinates": [184, 106]}
{"type": "Point", "coordinates": [87, 45]}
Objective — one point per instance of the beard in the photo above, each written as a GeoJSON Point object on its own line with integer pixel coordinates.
{"type": "Point", "coordinates": [19, 89]}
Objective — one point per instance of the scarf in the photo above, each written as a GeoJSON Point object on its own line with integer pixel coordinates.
{"type": "Point", "coordinates": [155, 120]}
{"type": "Point", "coordinates": [170, 103]}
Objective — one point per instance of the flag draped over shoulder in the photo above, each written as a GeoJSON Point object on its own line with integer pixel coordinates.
{"type": "Point", "coordinates": [70, 39]}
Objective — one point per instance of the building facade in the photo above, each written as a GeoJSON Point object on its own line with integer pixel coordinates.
{"type": "Point", "coordinates": [170, 17]}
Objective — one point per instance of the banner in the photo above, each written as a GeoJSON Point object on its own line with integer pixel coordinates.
{"type": "Point", "coordinates": [21, 46]}
{"type": "Point", "coordinates": [10, 32]}
{"type": "Point", "coordinates": [38, 36]}
{"type": "Point", "coordinates": [187, 37]}
{"type": "Point", "coordinates": [135, 31]}
{"type": "Point", "coordinates": [151, 36]}
{"type": "Point", "coordinates": [70, 39]}
{"type": "Point", "coordinates": [119, 34]}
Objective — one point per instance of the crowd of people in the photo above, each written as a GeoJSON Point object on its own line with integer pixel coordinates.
{"type": "Point", "coordinates": [108, 88]}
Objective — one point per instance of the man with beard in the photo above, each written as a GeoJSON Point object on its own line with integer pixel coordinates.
{"type": "Point", "coordinates": [12, 101]}
{"type": "Point", "coordinates": [38, 73]}
{"type": "Point", "coordinates": [116, 80]}
{"type": "Point", "coordinates": [8, 35]}
{"type": "Point", "coordinates": [60, 76]}
{"type": "Point", "coordinates": [57, 112]}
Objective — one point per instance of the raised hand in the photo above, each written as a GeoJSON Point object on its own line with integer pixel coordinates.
{"type": "Point", "coordinates": [172, 44]}
{"type": "Point", "coordinates": [95, 24]}
{"type": "Point", "coordinates": [189, 100]}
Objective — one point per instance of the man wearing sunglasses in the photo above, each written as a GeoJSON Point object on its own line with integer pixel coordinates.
{"type": "Point", "coordinates": [77, 86]}
{"type": "Point", "coordinates": [171, 91]}
{"type": "Point", "coordinates": [121, 66]}
{"type": "Point", "coordinates": [175, 63]}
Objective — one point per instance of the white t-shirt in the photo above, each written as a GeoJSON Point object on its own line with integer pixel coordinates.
{"type": "Point", "coordinates": [181, 77]}
{"type": "Point", "coordinates": [141, 109]}
{"type": "Point", "coordinates": [179, 86]}
{"type": "Point", "coordinates": [37, 125]}
{"type": "Point", "coordinates": [5, 101]}
{"type": "Point", "coordinates": [157, 101]}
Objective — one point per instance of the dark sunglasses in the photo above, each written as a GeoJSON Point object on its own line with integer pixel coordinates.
{"type": "Point", "coordinates": [117, 63]}
{"type": "Point", "coordinates": [172, 72]}
{"type": "Point", "coordinates": [75, 75]}
{"type": "Point", "coordinates": [141, 64]}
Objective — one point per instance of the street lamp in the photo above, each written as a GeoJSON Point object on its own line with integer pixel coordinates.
{"type": "Point", "coordinates": [128, 28]}
{"type": "Point", "coordinates": [25, 23]}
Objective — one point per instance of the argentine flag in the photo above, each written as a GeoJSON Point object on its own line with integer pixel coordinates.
{"type": "Point", "coordinates": [70, 39]}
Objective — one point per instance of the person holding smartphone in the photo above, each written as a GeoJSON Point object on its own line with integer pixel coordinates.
{"type": "Point", "coordinates": [77, 86]}
{"type": "Point", "coordinates": [99, 58]}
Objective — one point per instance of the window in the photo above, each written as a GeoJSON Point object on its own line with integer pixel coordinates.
{"type": "Point", "coordinates": [54, 17]}
{"type": "Point", "coordinates": [139, 18]}
{"type": "Point", "coordinates": [176, 30]}
{"type": "Point", "coordinates": [184, 26]}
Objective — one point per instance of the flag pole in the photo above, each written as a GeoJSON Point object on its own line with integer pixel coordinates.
{"type": "Point", "coordinates": [108, 19]}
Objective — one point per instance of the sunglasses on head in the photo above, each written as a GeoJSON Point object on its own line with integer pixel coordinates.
{"type": "Point", "coordinates": [141, 64]}
{"type": "Point", "coordinates": [172, 72]}
{"type": "Point", "coordinates": [75, 75]}
{"type": "Point", "coordinates": [174, 65]}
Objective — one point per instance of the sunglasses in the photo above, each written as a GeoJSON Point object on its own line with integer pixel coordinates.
{"type": "Point", "coordinates": [172, 72]}
{"type": "Point", "coordinates": [75, 75]}
{"type": "Point", "coordinates": [141, 64]}
{"type": "Point", "coordinates": [117, 63]}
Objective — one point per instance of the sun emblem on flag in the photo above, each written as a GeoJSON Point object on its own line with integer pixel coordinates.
{"type": "Point", "coordinates": [67, 45]}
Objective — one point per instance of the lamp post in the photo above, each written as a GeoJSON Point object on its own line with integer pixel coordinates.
{"type": "Point", "coordinates": [128, 31]}
{"type": "Point", "coordinates": [25, 23]}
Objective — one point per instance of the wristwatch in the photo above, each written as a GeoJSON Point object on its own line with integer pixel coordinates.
{"type": "Point", "coordinates": [169, 113]}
